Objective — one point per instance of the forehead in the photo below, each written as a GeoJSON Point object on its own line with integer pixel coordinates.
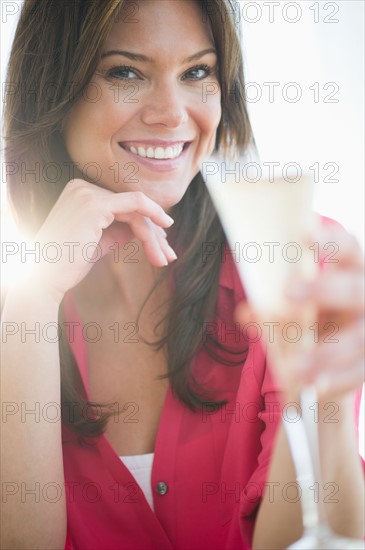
{"type": "Point", "coordinates": [163, 26]}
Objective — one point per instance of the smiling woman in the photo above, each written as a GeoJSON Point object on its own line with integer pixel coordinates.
{"type": "Point", "coordinates": [164, 128]}
{"type": "Point", "coordinates": [145, 452]}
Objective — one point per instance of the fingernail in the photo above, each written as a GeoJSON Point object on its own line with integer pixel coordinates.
{"type": "Point", "coordinates": [163, 258]}
{"type": "Point", "coordinates": [172, 253]}
{"type": "Point", "coordinates": [169, 219]}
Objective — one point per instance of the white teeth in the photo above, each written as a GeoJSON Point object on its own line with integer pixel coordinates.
{"type": "Point", "coordinates": [159, 153]}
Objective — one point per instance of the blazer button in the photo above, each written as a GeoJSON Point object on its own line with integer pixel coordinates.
{"type": "Point", "coordinates": [162, 488]}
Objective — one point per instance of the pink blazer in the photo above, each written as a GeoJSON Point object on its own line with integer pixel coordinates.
{"type": "Point", "coordinates": [209, 469]}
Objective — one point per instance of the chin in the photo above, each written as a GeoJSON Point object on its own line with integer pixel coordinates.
{"type": "Point", "coordinates": [168, 194]}
{"type": "Point", "coordinates": [167, 202]}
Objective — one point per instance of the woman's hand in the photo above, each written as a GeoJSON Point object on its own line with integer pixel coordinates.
{"type": "Point", "coordinates": [86, 215]}
{"type": "Point", "coordinates": [336, 362]}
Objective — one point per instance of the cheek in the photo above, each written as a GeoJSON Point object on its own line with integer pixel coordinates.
{"type": "Point", "coordinates": [78, 128]}
{"type": "Point", "coordinates": [97, 115]}
{"type": "Point", "coordinates": [87, 129]}
{"type": "Point", "coordinates": [92, 122]}
{"type": "Point", "coordinates": [210, 114]}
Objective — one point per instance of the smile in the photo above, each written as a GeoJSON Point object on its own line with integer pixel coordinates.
{"type": "Point", "coordinates": [158, 152]}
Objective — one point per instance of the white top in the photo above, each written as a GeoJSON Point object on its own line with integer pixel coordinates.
{"type": "Point", "coordinates": [140, 466]}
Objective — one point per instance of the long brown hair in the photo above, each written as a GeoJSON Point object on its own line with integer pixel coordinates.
{"type": "Point", "coordinates": [55, 53]}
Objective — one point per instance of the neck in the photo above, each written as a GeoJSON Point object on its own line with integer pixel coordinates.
{"type": "Point", "coordinates": [122, 278]}
{"type": "Point", "coordinates": [130, 274]}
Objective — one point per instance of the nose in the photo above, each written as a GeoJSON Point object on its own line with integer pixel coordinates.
{"type": "Point", "coordinates": [165, 106]}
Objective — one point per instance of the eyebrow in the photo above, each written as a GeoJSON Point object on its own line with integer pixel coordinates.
{"type": "Point", "coordinates": [139, 57]}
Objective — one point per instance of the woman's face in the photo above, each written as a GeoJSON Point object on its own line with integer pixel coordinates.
{"type": "Point", "coordinates": [151, 110]}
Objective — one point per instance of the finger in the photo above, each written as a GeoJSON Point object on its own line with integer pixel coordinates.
{"type": "Point", "coordinates": [167, 249]}
{"type": "Point", "coordinates": [136, 226]}
{"type": "Point", "coordinates": [328, 386]}
{"type": "Point", "coordinates": [116, 234]}
{"type": "Point", "coordinates": [337, 247]}
{"type": "Point", "coordinates": [161, 237]}
{"type": "Point", "coordinates": [160, 230]}
{"type": "Point", "coordinates": [144, 232]}
{"type": "Point", "coordinates": [335, 356]}
{"type": "Point", "coordinates": [154, 253]}
{"type": "Point", "coordinates": [332, 290]}
{"type": "Point", "coordinates": [340, 290]}
{"type": "Point", "coordinates": [121, 233]}
{"type": "Point", "coordinates": [122, 204]}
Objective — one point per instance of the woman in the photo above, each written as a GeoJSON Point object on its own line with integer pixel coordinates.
{"type": "Point", "coordinates": [129, 97]}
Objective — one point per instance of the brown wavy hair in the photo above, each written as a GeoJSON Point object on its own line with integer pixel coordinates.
{"type": "Point", "coordinates": [55, 53]}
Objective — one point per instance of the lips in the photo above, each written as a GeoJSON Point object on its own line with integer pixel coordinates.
{"type": "Point", "coordinates": [155, 150]}
{"type": "Point", "coordinates": [161, 156]}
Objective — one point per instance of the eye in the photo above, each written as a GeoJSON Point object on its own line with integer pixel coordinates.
{"type": "Point", "coordinates": [198, 73]}
{"type": "Point", "coordinates": [123, 72]}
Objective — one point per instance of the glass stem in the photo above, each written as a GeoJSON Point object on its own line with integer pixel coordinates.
{"type": "Point", "coordinates": [304, 446]}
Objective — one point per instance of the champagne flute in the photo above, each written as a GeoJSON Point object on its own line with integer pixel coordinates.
{"type": "Point", "coordinates": [274, 217]}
